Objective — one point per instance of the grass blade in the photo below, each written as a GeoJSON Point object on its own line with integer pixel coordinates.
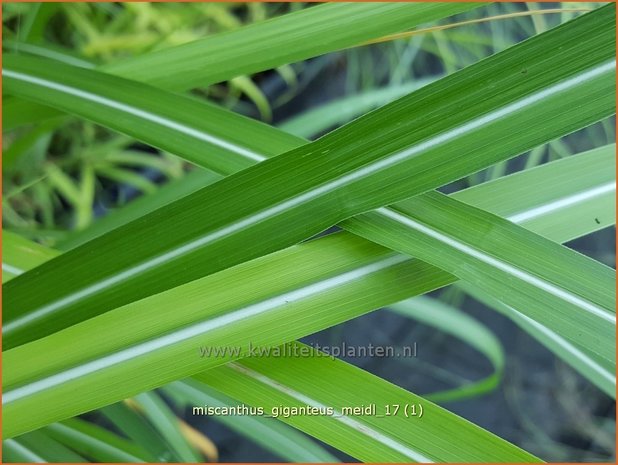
{"type": "Point", "coordinates": [180, 125]}
{"type": "Point", "coordinates": [19, 255]}
{"type": "Point", "coordinates": [436, 436]}
{"type": "Point", "coordinates": [284, 209]}
{"type": "Point", "coordinates": [266, 45]}
{"type": "Point", "coordinates": [271, 434]}
{"type": "Point", "coordinates": [541, 206]}
{"type": "Point", "coordinates": [261, 46]}
{"type": "Point", "coordinates": [451, 321]}
{"type": "Point", "coordinates": [167, 425]}
{"type": "Point", "coordinates": [47, 448]}
{"type": "Point", "coordinates": [95, 442]}
{"type": "Point", "coordinates": [138, 430]}
{"type": "Point", "coordinates": [14, 452]}
{"type": "Point", "coordinates": [547, 282]}
{"type": "Point", "coordinates": [322, 260]}
{"type": "Point", "coordinates": [591, 367]}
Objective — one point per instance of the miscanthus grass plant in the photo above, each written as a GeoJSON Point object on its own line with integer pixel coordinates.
{"type": "Point", "coordinates": [229, 255]}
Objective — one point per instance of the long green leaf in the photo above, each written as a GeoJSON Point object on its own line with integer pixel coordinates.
{"type": "Point", "coordinates": [272, 435]}
{"type": "Point", "coordinates": [451, 321]}
{"type": "Point", "coordinates": [602, 376]}
{"type": "Point", "coordinates": [277, 298]}
{"type": "Point", "coordinates": [547, 282]}
{"type": "Point", "coordinates": [14, 451]}
{"type": "Point", "coordinates": [181, 125]}
{"type": "Point", "coordinates": [266, 45]}
{"type": "Point", "coordinates": [261, 46]}
{"type": "Point", "coordinates": [138, 430]}
{"type": "Point", "coordinates": [435, 436]}
{"type": "Point", "coordinates": [583, 185]}
{"type": "Point", "coordinates": [19, 255]}
{"type": "Point", "coordinates": [378, 159]}
{"type": "Point", "coordinates": [95, 442]}
{"type": "Point", "coordinates": [167, 425]}
{"type": "Point", "coordinates": [47, 448]}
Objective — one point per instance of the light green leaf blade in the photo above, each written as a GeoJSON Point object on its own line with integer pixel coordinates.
{"type": "Point", "coordinates": [166, 423]}
{"type": "Point", "coordinates": [95, 442]}
{"type": "Point", "coordinates": [47, 448]}
{"type": "Point", "coordinates": [547, 282]}
{"type": "Point", "coordinates": [285, 209]}
{"type": "Point", "coordinates": [589, 197]}
{"type": "Point", "coordinates": [295, 381]}
{"type": "Point", "coordinates": [266, 45]}
{"type": "Point", "coordinates": [14, 452]}
{"type": "Point", "coordinates": [271, 434]}
{"type": "Point", "coordinates": [19, 255]}
{"type": "Point", "coordinates": [352, 275]}
{"type": "Point", "coordinates": [135, 426]}
{"type": "Point", "coordinates": [178, 124]}
{"type": "Point", "coordinates": [264, 300]}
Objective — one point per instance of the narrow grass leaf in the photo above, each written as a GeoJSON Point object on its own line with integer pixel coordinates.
{"type": "Point", "coordinates": [47, 448]}
{"type": "Point", "coordinates": [135, 426]}
{"type": "Point", "coordinates": [436, 435]}
{"type": "Point", "coordinates": [545, 281]}
{"type": "Point", "coordinates": [452, 321]}
{"type": "Point", "coordinates": [277, 298]}
{"type": "Point", "coordinates": [167, 424]}
{"type": "Point", "coordinates": [20, 255]}
{"type": "Point", "coordinates": [395, 152]}
{"type": "Point", "coordinates": [272, 435]}
{"type": "Point", "coordinates": [261, 46]}
{"type": "Point", "coordinates": [14, 451]}
{"type": "Point", "coordinates": [96, 443]}
{"type": "Point", "coordinates": [595, 370]}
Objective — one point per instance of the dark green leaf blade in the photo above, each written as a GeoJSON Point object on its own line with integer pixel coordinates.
{"type": "Point", "coordinates": [334, 278]}
{"type": "Point", "coordinates": [395, 152]}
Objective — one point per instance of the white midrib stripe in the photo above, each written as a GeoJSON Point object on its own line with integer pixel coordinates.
{"type": "Point", "coordinates": [338, 416]}
{"type": "Point", "coordinates": [12, 269]}
{"type": "Point", "coordinates": [564, 202]}
{"type": "Point", "coordinates": [565, 344]}
{"type": "Point", "coordinates": [200, 328]}
{"type": "Point", "coordinates": [500, 265]}
{"type": "Point", "coordinates": [309, 195]}
{"type": "Point", "coordinates": [140, 113]}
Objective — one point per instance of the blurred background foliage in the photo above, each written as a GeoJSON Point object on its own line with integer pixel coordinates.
{"type": "Point", "coordinates": [60, 176]}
